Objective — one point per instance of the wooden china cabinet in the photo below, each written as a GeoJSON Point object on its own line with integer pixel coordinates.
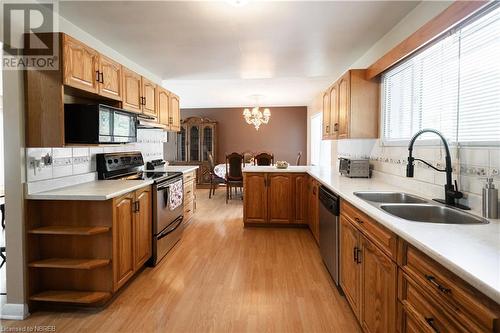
{"type": "Point", "coordinates": [196, 138]}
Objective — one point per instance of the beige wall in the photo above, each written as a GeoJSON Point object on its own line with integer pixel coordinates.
{"type": "Point", "coordinates": [284, 136]}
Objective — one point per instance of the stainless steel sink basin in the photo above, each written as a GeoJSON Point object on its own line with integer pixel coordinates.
{"type": "Point", "coordinates": [432, 214]}
{"type": "Point", "coordinates": [389, 197]}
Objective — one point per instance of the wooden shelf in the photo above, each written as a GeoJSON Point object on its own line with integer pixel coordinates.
{"type": "Point", "coordinates": [69, 263]}
{"type": "Point", "coordinates": [70, 230]}
{"type": "Point", "coordinates": [66, 296]}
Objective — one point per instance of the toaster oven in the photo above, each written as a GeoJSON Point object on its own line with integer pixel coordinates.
{"type": "Point", "coordinates": [354, 168]}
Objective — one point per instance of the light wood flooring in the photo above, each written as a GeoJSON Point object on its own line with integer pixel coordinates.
{"type": "Point", "coordinates": [222, 277]}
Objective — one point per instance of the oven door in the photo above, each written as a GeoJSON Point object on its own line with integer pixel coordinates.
{"type": "Point", "coordinates": [164, 215]}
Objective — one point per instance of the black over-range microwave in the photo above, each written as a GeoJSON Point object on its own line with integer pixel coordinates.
{"type": "Point", "coordinates": [98, 123]}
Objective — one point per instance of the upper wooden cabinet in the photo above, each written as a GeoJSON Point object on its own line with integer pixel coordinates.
{"type": "Point", "coordinates": [351, 107]}
{"type": "Point", "coordinates": [81, 65]}
{"type": "Point", "coordinates": [149, 102]}
{"type": "Point", "coordinates": [132, 91]}
{"type": "Point", "coordinates": [110, 78]}
{"type": "Point", "coordinates": [175, 113]}
{"type": "Point", "coordinates": [86, 76]}
{"type": "Point", "coordinates": [163, 106]}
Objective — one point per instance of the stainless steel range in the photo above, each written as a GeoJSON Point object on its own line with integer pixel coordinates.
{"type": "Point", "coordinates": [167, 203]}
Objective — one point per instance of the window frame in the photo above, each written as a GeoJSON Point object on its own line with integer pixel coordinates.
{"type": "Point", "coordinates": [431, 142]}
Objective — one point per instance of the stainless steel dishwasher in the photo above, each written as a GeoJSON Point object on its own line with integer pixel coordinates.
{"type": "Point", "coordinates": [329, 208]}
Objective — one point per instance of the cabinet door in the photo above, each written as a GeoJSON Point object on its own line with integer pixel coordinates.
{"type": "Point", "coordinates": [378, 289]}
{"type": "Point", "coordinates": [149, 104]}
{"type": "Point", "coordinates": [142, 228]}
{"type": "Point", "coordinates": [344, 105]}
{"type": "Point", "coordinates": [81, 65]}
{"type": "Point", "coordinates": [208, 142]}
{"type": "Point", "coordinates": [314, 210]}
{"type": "Point", "coordinates": [175, 113]}
{"type": "Point", "coordinates": [255, 198]}
{"type": "Point", "coordinates": [123, 229]}
{"type": "Point", "coordinates": [110, 80]}
{"type": "Point", "coordinates": [300, 198]}
{"type": "Point", "coordinates": [334, 111]}
{"type": "Point", "coordinates": [350, 268]}
{"type": "Point", "coordinates": [163, 107]}
{"type": "Point", "coordinates": [326, 115]}
{"type": "Point", "coordinates": [131, 91]}
{"type": "Point", "coordinates": [280, 198]}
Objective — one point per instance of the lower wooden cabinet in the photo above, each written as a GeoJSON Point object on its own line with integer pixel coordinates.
{"type": "Point", "coordinates": [131, 234]}
{"type": "Point", "coordinates": [189, 195]}
{"type": "Point", "coordinates": [275, 198]}
{"type": "Point", "coordinates": [368, 279]}
{"type": "Point", "coordinates": [313, 207]}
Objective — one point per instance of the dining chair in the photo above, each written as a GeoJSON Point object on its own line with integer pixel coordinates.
{"type": "Point", "coordinates": [214, 179]}
{"type": "Point", "coordinates": [264, 159]}
{"type": "Point", "coordinates": [299, 155]}
{"type": "Point", "coordinates": [234, 173]}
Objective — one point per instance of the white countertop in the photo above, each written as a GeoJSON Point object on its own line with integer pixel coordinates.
{"type": "Point", "coordinates": [470, 251]}
{"type": "Point", "coordinates": [95, 190]}
{"type": "Point", "coordinates": [102, 189]}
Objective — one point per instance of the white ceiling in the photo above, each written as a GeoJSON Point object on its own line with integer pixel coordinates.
{"type": "Point", "coordinates": [214, 54]}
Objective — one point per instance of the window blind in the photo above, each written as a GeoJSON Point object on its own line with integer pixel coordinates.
{"type": "Point", "coordinates": [452, 85]}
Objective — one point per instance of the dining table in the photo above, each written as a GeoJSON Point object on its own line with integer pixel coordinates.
{"type": "Point", "coordinates": [220, 169]}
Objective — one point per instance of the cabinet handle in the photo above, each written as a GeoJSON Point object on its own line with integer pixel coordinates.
{"type": "Point", "coordinates": [430, 321]}
{"type": "Point", "coordinates": [327, 129]}
{"type": "Point", "coordinates": [101, 75]}
{"type": "Point", "coordinates": [336, 127]}
{"type": "Point", "coordinates": [97, 76]}
{"type": "Point", "coordinates": [314, 190]}
{"type": "Point", "coordinates": [355, 254]}
{"type": "Point", "coordinates": [442, 289]}
{"type": "Point", "coordinates": [358, 256]}
{"type": "Point", "coordinates": [358, 220]}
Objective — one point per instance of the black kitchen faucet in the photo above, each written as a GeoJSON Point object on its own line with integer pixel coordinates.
{"type": "Point", "coordinates": [451, 193]}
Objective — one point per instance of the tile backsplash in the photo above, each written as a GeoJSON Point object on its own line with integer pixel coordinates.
{"type": "Point", "coordinates": [45, 164]}
{"type": "Point", "coordinates": [470, 165]}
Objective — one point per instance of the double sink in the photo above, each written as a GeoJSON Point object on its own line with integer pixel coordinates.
{"type": "Point", "coordinates": [416, 209]}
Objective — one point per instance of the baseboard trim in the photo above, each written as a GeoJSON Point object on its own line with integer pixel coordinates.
{"type": "Point", "coordinates": [14, 311]}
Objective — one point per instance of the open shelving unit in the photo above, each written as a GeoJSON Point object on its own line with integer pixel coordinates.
{"type": "Point", "coordinates": [70, 252]}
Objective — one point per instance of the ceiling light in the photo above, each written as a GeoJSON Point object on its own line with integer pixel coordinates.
{"type": "Point", "coordinates": [237, 3]}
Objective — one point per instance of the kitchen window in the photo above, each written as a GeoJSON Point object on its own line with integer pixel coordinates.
{"type": "Point", "coordinates": [320, 150]}
{"type": "Point", "coordinates": [453, 86]}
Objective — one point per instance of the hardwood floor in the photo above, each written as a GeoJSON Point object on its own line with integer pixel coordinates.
{"type": "Point", "coordinates": [222, 277]}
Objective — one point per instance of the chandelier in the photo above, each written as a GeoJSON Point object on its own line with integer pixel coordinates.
{"type": "Point", "coordinates": [256, 117]}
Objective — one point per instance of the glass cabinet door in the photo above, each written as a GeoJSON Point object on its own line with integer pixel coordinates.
{"type": "Point", "coordinates": [181, 144]}
{"type": "Point", "coordinates": [208, 142]}
{"type": "Point", "coordinates": [194, 143]}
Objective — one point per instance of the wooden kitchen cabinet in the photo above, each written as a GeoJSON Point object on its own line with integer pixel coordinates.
{"type": "Point", "coordinates": [132, 89]}
{"type": "Point", "coordinates": [110, 78]}
{"type": "Point", "coordinates": [175, 113]}
{"type": "Point", "coordinates": [149, 102]}
{"type": "Point", "coordinates": [368, 276]}
{"type": "Point", "coordinates": [163, 107]}
{"type": "Point", "coordinates": [351, 107]}
{"type": "Point", "coordinates": [255, 198]}
{"type": "Point", "coordinates": [142, 227]}
{"type": "Point", "coordinates": [280, 197]}
{"type": "Point", "coordinates": [313, 209]}
{"type": "Point", "coordinates": [275, 198]}
{"type": "Point", "coordinates": [301, 198]}
{"type": "Point", "coordinates": [81, 65]}
{"type": "Point", "coordinates": [378, 289]}
{"type": "Point", "coordinates": [350, 270]}
{"type": "Point", "coordinates": [123, 258]}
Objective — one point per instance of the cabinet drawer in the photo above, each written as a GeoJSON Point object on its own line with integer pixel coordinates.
{"type": "Point", "coordinates": [189, 190]}
{"type": "Point", "coordinates": [420, 313]}
{"type": "Point", "coordinates": [383, 238]}
{"type": "Point", "coordinates": [189, 176]}
{"type": "Point", "coordinates": [188, 210]}
{"type": "Point", "coordinates": [468, 306]}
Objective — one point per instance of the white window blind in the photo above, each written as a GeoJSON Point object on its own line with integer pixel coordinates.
{"type": "Point", "coordinates": [452, 86]}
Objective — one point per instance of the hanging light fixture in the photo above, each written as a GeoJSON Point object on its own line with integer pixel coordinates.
{"type": "Point", "coordinates": [256, 117]}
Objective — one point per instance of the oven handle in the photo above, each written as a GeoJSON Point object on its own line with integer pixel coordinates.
{"type": "Point", "coordinates": [171, 229]}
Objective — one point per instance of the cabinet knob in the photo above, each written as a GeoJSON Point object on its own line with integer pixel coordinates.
{"type": "Point", "coordinates": [336, 127]}
{"type": "Point", "coordinates": [358, 220]}
{"type": "Point", "coordinates": [431, 323]}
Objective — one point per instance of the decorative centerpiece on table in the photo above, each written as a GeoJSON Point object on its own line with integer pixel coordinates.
{"type": "Point", "coordinates": [282, 164]}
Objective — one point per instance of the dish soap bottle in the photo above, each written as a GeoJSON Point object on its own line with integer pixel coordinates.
{"type": "Point", "coordinates": [490, 200]}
